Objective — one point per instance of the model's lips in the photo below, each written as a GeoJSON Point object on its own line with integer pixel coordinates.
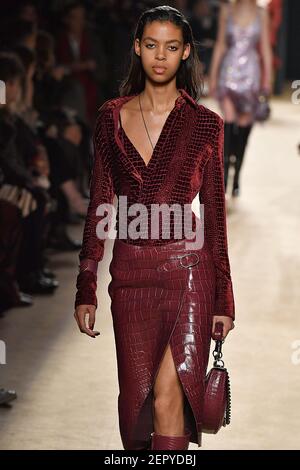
{"type": "Point", "coordinates": [158, 69]}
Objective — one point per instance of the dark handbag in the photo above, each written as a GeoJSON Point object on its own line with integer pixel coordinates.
{"type": "Point", "coordinates": [217, 399]}
{"type": "Point", "coordinates": [263, 110]}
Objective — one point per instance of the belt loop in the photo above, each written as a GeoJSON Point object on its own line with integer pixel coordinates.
{"type": "Point", "coordinates": [190, 265]}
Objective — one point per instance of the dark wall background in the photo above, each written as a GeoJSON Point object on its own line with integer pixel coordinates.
{"type": "Point", "coordinates": [293, 40]}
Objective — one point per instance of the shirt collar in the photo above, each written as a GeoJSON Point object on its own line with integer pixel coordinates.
{"type": "Point", "coordinates": [180, 100]}
{"type": "Point", "coordinates": [115, 105]}
{"type": "Point", "coordinates": [186, 97]}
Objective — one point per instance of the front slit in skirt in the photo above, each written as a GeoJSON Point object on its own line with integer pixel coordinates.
{"type": "Point", "coordinates": [159, 295]}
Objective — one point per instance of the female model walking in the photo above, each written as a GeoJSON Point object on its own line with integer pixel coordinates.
{"type": "Point", "coordinates": [155, 145]}
{"type": "Point", "coordinates": [237, 75]}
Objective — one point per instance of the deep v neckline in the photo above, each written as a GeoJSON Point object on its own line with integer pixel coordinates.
{"type": "Point", "coordinates": [158, 142]}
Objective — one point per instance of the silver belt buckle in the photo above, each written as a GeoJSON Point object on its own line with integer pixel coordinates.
{"type": "Point", "coordinates": [190, 265]}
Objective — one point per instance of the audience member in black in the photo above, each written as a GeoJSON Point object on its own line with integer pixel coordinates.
{"type": "Point", "coordinates": [63, 137]}
{"type": "Point", "coordinates": [12, 171]}
{"type": "Point", "coordinates": [54, 86]}
{"type": "Point", "coordinates": [11, 231]}
{"type": "Point", "coordinates": [12, 164]}
{"type": "Point", "coordinates": [48, 80]}
{"type": "Point", "coordinates": [22, 33]}
{"type": "Point", "coordinates": [17, 174]}
{"type": "Point", "coordinates": [28, 12]}
{"type": "Point", "coordinates": [204, 26]}
{"type": "Point", "coordinates": [75, 51]}
{"type": "Point", "coordinates": [25, 105]}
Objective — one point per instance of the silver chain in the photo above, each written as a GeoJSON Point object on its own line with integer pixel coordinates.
{"type": "Point", "coordinates": [145, 122]}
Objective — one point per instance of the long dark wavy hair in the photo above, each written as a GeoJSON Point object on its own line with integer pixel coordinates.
{"type": "Point", "coordinates": [189, 74]}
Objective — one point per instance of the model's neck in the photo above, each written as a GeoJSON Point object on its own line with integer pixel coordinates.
{"type": "Point", "coordinates": [159, 98]}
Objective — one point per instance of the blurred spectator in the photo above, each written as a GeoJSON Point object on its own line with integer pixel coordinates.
{"type": "Point", "coordinates": [54, 87]}
{"type": "Point", "coordinates": [10, 242]}
{"type": "Point", "coordinates": [204, 26]}
{"type": "Point", "coordinates": [12, 201]}
{"type": "Point", "coordinates": [68, 136]}
{"type": "Point", "coordinates": [74, 50]}
{"type": "Point", "coordinates": [23, 33]}
{"type": "Point", "coordinates": [25, 106]}
{"type": "Point", "coordinates": [23, 187]}
{"type": "Point", "coordinates": [28, 12]}
{"type": "Point", "coordinates": [63, 138]}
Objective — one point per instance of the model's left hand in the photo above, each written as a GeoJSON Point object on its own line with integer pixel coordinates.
{"type": "Point", "coordinates": [227, 322]}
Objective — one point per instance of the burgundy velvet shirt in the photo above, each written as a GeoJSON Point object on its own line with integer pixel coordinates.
{"type": "Point", "coordinates": [187, 160]}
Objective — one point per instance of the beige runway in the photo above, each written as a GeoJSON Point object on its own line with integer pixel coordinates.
{"type": "Point", "coordinates": [67, 383]}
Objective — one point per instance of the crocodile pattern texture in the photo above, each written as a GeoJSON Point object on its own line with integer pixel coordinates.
{"type": "Point", "coordinates": [160, 295]}
{"type": "Point", "coordinates": [215, 401]}
{"type": "Point", "coordinates": [187, 160]}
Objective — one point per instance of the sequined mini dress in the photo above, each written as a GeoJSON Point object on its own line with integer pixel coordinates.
{"type": "Point", "coordinates": [240, 70]}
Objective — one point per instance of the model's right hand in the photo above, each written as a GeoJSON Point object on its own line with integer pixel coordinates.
{"type": "Point", "coordinates": [81, 312]}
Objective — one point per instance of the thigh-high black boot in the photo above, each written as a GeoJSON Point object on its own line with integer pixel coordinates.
{"type": "Point", "coordinates": [228, 147]}
{"type": "Point", "coordinates": [242, 136]}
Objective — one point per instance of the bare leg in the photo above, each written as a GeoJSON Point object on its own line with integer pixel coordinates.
{"type": "Point", "coordinates": [168, 399]}
{"type": "Point", "coordinates": [228, 110]}
{"type": "Point", "coordinates": [244, 119]}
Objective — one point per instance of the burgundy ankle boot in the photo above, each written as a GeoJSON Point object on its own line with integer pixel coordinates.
{"type": "Point", "coordinates": [160, 442]}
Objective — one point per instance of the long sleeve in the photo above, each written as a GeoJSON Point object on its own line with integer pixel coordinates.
{"type": "Point", "coordinates": [101, 192]}
{"type": "Point", "coordinates": [212, 195]}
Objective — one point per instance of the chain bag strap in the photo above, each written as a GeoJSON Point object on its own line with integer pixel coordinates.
{"type": "Point", "coordinates": [217, 399]}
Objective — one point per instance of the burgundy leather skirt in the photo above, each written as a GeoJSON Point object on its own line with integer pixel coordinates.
{"type": "Point", "coordinates": [160, 294]}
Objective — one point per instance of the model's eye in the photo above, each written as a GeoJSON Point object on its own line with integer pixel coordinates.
{"type": "Point", "coordinates": [173, 48]}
